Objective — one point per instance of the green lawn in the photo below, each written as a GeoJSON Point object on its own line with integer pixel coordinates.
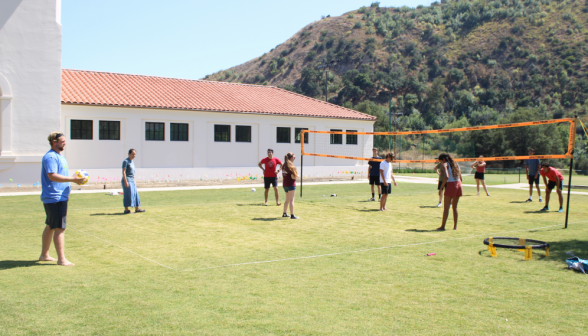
{"type": "Point", "coordinates": [496, 179]}
{"type": "Point", "coordinates": [203, 275]}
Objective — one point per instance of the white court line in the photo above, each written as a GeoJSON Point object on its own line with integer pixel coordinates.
{"type": "Point", "coordinates": [122, 248]}
{"type": "Point", "coordinates": [364, 250]}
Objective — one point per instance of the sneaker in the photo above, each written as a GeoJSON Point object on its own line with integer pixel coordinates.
{"type": "Point", "coordinates": [127, 212]}
{"type": "Point", "coordinates": [294, 217]}
{"type": "Point", "coordinates": [140, 210]}
{"type": "Point", "coordinates": [540, 201]}
{"type": "Point", "coordinates": [478, 194]}
{"type": "Point", "coordinates": [530, 200]}
{"type": "Point", "coordinates": [371, 199]}
{"type": "Point", "coordinates": [285, 215]}
{"type": "Point", "coordinates": [487, 194]}
{"type": "Point", "coordinates": [438, 205]}
{"type": "Point", "coordinates": [544, 209]}
{"type": "Point", "coordinates": [560, 210]}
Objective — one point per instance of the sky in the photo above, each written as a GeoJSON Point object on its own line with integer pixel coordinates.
{"type": "Point", "coordinates": [186, 39]}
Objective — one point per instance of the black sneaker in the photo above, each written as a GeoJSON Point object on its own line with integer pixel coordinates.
{"type": "Point", "coordinates": [127, 212]}
{"type": "Point", "coordinates": [529, 200]}
{"type": "Point", "coordinates": [285, 215]}
{"type": "Point", "coordinates": [294, 217]}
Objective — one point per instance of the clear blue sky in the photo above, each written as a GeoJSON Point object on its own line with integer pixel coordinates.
{"type": "Point", "coordinates": [185, 39]}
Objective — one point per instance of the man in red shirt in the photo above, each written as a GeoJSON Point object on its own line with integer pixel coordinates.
{"type": "Point", "coordinates": [555, 180]}
{"type": "Point", "coordinates": [270, 174]}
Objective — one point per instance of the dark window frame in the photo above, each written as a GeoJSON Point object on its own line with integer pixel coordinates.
{"type": "Point", "coordinates": [109, 131]}
{"type": "Point", "coordinates": [278, 135]}
{"type": "Point", "coordinates": [150, 134]}
{"type": "Point", "coordinates": [297, 132]}
{"type": "Point", "coordinates": [351, 136]}
{"type": "Point", "coordinates": [336, 139]}
{"type": "Point", "coordinates": [78, 133]}
{"type": "Point", "coordinates": [176, 135]}
{"type": "Point", "coordinates": [238, 134]}
{"type": "Point", "coordinates": [218, 139]}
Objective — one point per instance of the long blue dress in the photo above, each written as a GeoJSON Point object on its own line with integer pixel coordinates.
{"type": "Point", "coordinates": [131, 196]}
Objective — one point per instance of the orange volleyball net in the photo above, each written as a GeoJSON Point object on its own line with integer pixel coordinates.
{"type": "Point", "coordinates": [353, 145]}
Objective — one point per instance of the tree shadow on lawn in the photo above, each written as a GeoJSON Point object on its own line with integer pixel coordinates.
{"type": "Point", "coordinates": [8, 264]}
{"type": "Point", "coordinates": [110, 214]}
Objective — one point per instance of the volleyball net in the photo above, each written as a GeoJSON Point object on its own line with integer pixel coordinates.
{"type": "Point", "coordinates": [551, 139]}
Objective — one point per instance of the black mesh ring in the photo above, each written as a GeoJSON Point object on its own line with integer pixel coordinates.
{"type": "Point", "coordinates": [541, 244]}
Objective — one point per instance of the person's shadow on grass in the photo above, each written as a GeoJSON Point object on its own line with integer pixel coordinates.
{"type": "Point", "coordinates": [108, 214]}
{"type": "Point", "coordinates": [518, 202]}
{"type": "Point", "coordinates": [429, 206]}
{"type": "Point", "coordinates": [8, 264]}
{"type": "Point", "coordinates": [268, 219]}
{"type": "Point", "coordinates": [537, 211]}
{"type": "Point", "coordinates": [419, 230]}
{"type": "Point", "coordinates": [369, 210]}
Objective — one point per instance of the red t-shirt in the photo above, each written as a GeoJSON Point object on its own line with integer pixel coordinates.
{"type": "Point", "coordinates": [480, 169]}
{"type": "Point", "coordinates": [288, 181]}
{"type": "Point", "coordinates": [553, 174]}
{"type": "Point", "coordinates": [270, 166]}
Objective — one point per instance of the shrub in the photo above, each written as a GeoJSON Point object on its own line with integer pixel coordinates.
{"type": "Point", "coordinates": [311, 55]}
{"type": "Point", "coordinates": [350, 16]}
{"type": "Point", "coordinates": [358, 25]}
{"type": "Point", "coordinates": [362, 10]}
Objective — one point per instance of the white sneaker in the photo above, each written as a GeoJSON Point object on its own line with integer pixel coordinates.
{"type": "Point", "coordinates": [371, 200]}
{"type": "Point", "coordinates": [438, 205]}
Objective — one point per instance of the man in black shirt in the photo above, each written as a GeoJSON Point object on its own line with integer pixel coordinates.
{"type": "Point", "coordinates": [374, 175]}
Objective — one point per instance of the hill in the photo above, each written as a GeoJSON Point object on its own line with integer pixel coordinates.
{"type": "Point", "coordinates": [455, 62]}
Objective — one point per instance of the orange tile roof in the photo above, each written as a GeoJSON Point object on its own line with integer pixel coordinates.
{"type": "Point", "coordinates": [114, 89]}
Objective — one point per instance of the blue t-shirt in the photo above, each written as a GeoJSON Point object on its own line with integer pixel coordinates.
{"type": "Point", "coordinates": [375, 166]}
{"type": "Point", "coordinates": [54, 192]}
{"type": "Point", "coordinates": [533, 165]}
{"type": "Point", "coordinates": [130, 168]}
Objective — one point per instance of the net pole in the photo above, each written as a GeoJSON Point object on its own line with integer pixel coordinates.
{"type": "Point", "coordinates": [301, 160]}
{"type": "Point", "coordinates": [569, 191]}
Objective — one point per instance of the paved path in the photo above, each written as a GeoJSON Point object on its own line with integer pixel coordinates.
{"type": "Point", "coordinates": [401, 179]}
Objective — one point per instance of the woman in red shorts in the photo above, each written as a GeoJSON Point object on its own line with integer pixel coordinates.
{"type": "Point", "coordinates": [453, 190]}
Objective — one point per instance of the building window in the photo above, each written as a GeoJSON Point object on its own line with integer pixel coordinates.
{"type": "Point", "coordinates": [155, 131]}
{"type": "Point", "coordinates": [222, 133]}
{"type": "Point", "coordinates": [243, 133]}
{"type": "Point", "coordinates": [351, 138]}
{"type": "Point", "coordinates": [297, 136]}
{"type": "Point", "coordinates": [283, 135]}
{"type": "Point", "coordinates": [81, 129]}
{"type": "Point", "coordinates": [109, 130]}
{"type": "Point", "coordinates": [178, 132]}
{"type": "Point", "coordinates": [336, 139]}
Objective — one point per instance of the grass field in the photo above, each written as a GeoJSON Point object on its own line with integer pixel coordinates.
{"type": "Point", "coordinates": [193, 264]}
{"type": "Point", "coordinates": [496, 179]}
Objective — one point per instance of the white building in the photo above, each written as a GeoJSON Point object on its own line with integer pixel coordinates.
{"type": "Point", "coordinates": [178, 127]}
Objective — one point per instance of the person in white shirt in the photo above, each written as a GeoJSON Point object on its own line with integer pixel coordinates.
{"type": "Point", "coordinates": [386, 177]}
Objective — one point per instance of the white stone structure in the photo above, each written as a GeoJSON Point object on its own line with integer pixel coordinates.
{"type": "Point", "coordinates": [30, 85]}
{"type": "Point", "coordinates": [35, 102]}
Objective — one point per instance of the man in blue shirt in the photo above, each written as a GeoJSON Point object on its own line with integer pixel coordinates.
{"type": "Point", "coordinates": [532, 168]}
{"type": "Point", "coordinates": [55, 183]}
{"type": "Point", "coordinates": [374, 175]}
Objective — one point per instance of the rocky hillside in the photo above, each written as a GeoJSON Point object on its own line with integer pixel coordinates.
{"type": "Point", "coordinates": [468, 62]}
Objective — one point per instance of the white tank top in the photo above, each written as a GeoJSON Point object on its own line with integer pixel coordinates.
{"type": "Point", "coordinates": [450, 177]}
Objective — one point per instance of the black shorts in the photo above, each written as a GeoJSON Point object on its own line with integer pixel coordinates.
{"type": "Point", "coordinates": [552, 184]}
{"type": "Point", "coordinates": [532, 180]}
{"type": "Point", "coordinates": [439, 185]}
{"type": "Point", "coordinates": [479, 176]}
{"type": "Point", "coordinates": [386, 190]}
{"type": "Point", "coordinates": [270, 180]}
{"type": "Point", "coordinates": [56, 214]}
{"type": "Point", "coordinates": [374, 180]}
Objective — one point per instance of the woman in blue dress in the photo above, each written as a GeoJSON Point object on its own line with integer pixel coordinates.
{"type": "Point", "coordinates": [131, 196]}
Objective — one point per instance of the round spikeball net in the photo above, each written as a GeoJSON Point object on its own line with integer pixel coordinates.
{"type": "Point", "coordinates": [520, 244]}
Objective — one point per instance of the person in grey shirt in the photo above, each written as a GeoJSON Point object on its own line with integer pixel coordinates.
{"type": "Point", "coordinates": [532, 167]}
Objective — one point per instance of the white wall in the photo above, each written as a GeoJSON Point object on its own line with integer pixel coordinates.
{"type": "Point", "coordinates": [201, 151]}
{"type": "Point", "coordinates": [30, 85]}
{"type": "Point", "coordinates": [30, 61]}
